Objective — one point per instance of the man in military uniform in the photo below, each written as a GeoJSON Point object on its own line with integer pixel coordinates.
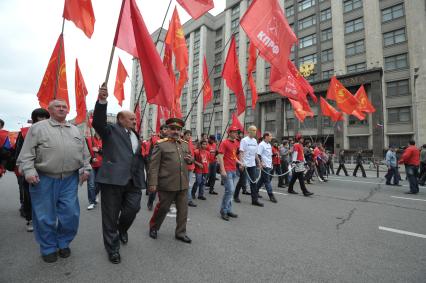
{"type": "Point", "coordinates": [168, 174]}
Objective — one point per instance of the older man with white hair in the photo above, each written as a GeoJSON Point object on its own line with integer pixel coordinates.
{"type": "Point", "coordinates": [53, 159]}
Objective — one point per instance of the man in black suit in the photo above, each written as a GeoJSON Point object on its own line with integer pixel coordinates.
{"type": "Point", "coordinates": [121, 176]}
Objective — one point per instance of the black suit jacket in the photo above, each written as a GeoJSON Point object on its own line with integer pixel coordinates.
{"type": "Point", "coordinates": [119, 164]}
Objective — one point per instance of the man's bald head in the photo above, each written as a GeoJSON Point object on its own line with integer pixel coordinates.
{"type": "Point", "coordinates": [58, 109]}
{"type": "Point", "coordinates": [127, 119]}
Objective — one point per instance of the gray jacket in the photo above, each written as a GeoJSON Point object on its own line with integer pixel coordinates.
{"type": "Point", "coordinates": [54, 149]}
{"type": "Point", "coordinates": [391, 159]}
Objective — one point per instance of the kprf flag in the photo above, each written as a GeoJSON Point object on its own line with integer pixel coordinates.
{"type": "Point", "coordinates": [54, 84]}
{"type": "Point", "coordinates": [138, 119]}
{"type": "Point", "coordinates": [330, 111]}
{"type": "Point", "coordinates": [302, 82]}
{"type": "Point", "coordinates": [345, 101]}
{"type": "Point", "coordinates": [80, 95]}
{"type": "Point", "coordinates": [207, 88]}
{"type": "Point", "coordinates": [196, 8]}
{"type": "Point", "coordinates": [301, 111]}
{"type": "Point", "coordinates": [162, 116]}
{"type": "Point", "coordinates": [80, 12]}
{"type": "Point", "coordinates": [251, 67]}
{"type": "Point", "coordinates": [168, 64]}
{"type": "Point", "coordinates": [365, 104]}
{"type": "Point", "coordinates": [119, 82]}
{"type": "Point", "coordinates": [236, 123]}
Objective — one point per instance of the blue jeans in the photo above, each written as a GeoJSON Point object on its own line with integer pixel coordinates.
{"type": "Point", "coordinates": [230, 182]}
{"type": "Point", "coordinates": [265, 179]}
{"type": "Point", "coordinates": [92, 187]}
{"type": "Point", "coordinates": [392, 172]}
{"type": "Point", "coordinates": [200, 180]}
{"type": "Point", "coordinates": [412, 173]}
{"type": "Point", "coordinates": [56, 212]}
{"type": "Point", "coordinates": [189, 186]}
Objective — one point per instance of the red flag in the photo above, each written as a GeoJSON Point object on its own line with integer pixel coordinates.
{"type": "Point", "coordinates": [329, 111]}
{"type": "Point", "coordinates": [344, 99]}
{"type": "Point", "coordinates": [286, 86]}
{"type": "Point", "coordinates": [168, 64]}
{"type": "Point", "coordinates": [138, 119]}
{"type": "Point", "coordinates": [119, 82]}
{"type": "Point", "coordinates": [90, 121]}
{"type": "Point", "coordinates": [258, 134]}
{"type": "Point", "coordinates": [54, 77]}
{"type": "Point", "coordinates": [268, 29]}
{"type": "Point", "coordinates": [196, 8]}
{"type": "Point", "coordinates": [162, 116]}
{"type": "Point", "coordinates": [303, 83]}
{"type": "Point", "coordinates": [133, 37]}
{"type": "Point", "coordinates": [236, 122]}
{"type": "Point", "coordinates": [250, 69]}
{"type": "Point", "coordinates": [364, 103]}
{"type": "Point", "coordinates": [232, 76]}
{"type": "Point", "coordinates": [80, 95]}
{"type": "Point", "coordinates": [207, 89]}
{"type": "Point", "coordinates": [301, 111]}
{"type": "Point", "coordinates": [81, 13]}
{"type": "Point", "coordinates": [360, 115]}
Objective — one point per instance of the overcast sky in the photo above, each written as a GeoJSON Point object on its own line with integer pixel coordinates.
{"type": "Point", "coordinates": [28, 32]}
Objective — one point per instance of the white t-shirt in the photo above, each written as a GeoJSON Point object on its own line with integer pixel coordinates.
{"type": "Point", "coordinates": [265, 152]}
{"type": "Point", "coordinates": [249, 147]}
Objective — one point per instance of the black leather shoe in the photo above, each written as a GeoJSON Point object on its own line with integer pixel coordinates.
{"type": "Point", "coordinates": [410, 193]}
{"type": "Point", "coordinates": [233, 215]}
{"type": "Point", "coordinates": [153, 233]}
{"type": "Point", "coordinates": [202, 197]}
{"type": "Point", "coordinates": [114, 258]}
{"type": "Point", "coordinates": [191, 204]}
{"type": "Point", "coordinates": [224, 216]}
{"type": "Point", "coordinates": [307, 194]}
{"type": "Point", "coordinates": [124, 238]}
{"type": "Point", "coordinates": [246, 193]}
{"type": "Point", "coordinates": [184, 239]}
{"type": "Point", "coordinates": [256, 203]}
{"type": "Point", "coordinates": [273, 199]}
{"type": "Point", "coordinates": [212, 192]}
{"type": "Point", "coordinates": [50, 258]}
{"type": "Point", "coordinates": [64, 253]}
{"type": "Point", "coordinates": [237, 200]}
{"type": "Point", "coordinates": [292, 192]}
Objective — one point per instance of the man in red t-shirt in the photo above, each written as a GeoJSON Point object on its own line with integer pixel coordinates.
{"type": "Point", "coordinates": [212, 148]}
{"type": "Point", "coordinates": [228, 161]}
{"type": "Point", "coordinates": [276, 162]}
{"type": "Point", "coordinates": [94, 144]}
{"type": "Point", "coordinates": [298, 161]}
{"type": "Point", "coordinates": [187, 136]}
{"type": "Point", "coordinates": [201, 169]}
{"type": "Point", "coordinates": [411, 159]}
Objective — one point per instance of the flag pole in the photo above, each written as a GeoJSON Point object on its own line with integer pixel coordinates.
{"type": "Point", "coordinates": [211, 118]}
{"type": "Point", "coordinates": [59, 60]}
{"type": "Point", "coordinates": [335, 123]}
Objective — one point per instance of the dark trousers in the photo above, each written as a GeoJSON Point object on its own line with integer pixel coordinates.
{"type": "Point", "coordinates": [26, 198]}
{"type": "Point", "coordinates": [329, 166]}
{"type": "Point", "coordinates": [310, 173]}
{"type": "Point", "coordinates": [284, 169]}
{"type": "Point", "coordinates": [151, 198]}
{"type": "Point", "coordinates": [392, 172]}
{"type": "Point", "coordinates": [412, 174]}
{"type": "Point", "coordinates": [277, 171]}
{"type": "Point", "coordinates": [242, 184]}
{"type": "Point", "coordinates": [212, 175]}
{"type": "Point", "coordinates": [297, 176]}
{"type": "Point", "coordinates": [320, 169]}
{"type": "Point", "coordinates": [120, 204]}
{"type": "Point", "coordinates": [342, 166]}
{"type": "Point", "coordinates": [265, 180]}
{"type": "Point", "coordinates": [422, 175]}
{"type": "Point", "coordinates": [359, 166]}
{"type": "Point", "coordinates": [163, 206]}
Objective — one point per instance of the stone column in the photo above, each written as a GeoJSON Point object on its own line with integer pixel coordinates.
{"type": "Point", "coordinates": [199, 109]}
{"type": "Point", "coordinates": [190, 69]}
{"type": "Point", "coordinates": [242, 54]}
{"type": "Point", "coordinates": [225, 92]}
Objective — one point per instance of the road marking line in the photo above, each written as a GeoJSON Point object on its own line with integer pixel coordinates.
{"type": "Point", "coordinates": [409, 198]}
{"type": "Point", "coordinates": [278, 193]}
{"type": "Point", "coordinates": [355, 181]}
{"type": "Point", "coordinates": [402, 232]}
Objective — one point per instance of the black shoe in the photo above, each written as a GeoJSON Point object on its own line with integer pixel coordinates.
{"type": "Point", "coordinates": [150, 206]}
{"type": "Point", "coordinates": [388, 184]}
{"type": "Point", "coordinates": [64, 253]}
{"type": "Point", "coordinates": [50, 257]}
{"type": "Point", "coordinates": [212, 192]}
{"type": "Point", "coordinates": [193, 196]}
{"type": "Point", "coordinates": [307, 194]}
{"type": "Point", "coordinates": [292, 192]}
{"type": "Point", "coordinates": [184, 239]}
{"type": "Point", "coordinates": [259, 196]}
{"type": "Point", "coordinates": [191, 204]}
{"type": "Point", "coordinates": [237, 200]}
{"type": "Point", "coordinates": [153, 233]}
{"type": "Point", "coordinates": [273, 199]}
{"type": "Point", "coordinates": [397, 185]}
{"type": "Point", "coordinates": [202, 197]}
{"type": "Point", "coordinates": [114, 258]}
{"type": "Point", "coordinates": [233, 215]}
{"type": "Point", "coordinates": [308, 182]}
{"type": "Point", "coordinates": [124, 238]}
{"type": "Point", "coordinates": [410, 193]}
{"type": "Point", "coordinates": [246, 193]}
{"type": "Point", "coordinates": [224, 216]}
{"type": "Point", "coordinates": [256, 203]}
{"type": "Point", "coordinates": [282, 186]}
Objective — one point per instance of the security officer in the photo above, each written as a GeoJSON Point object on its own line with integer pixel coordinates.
{"type": "Point", "coordinates": [168, 174]}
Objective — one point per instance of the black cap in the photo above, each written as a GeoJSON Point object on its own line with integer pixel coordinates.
{"type": "Point", "coordinates": [175, 122]}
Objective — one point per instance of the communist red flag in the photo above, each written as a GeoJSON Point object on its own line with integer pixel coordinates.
{"type": "Point", "coordinates": [196, 8]}
{"type": "Point", "coordinates": [207, 89]}
{"type": "Point", "coordinates": [232, 76]}
{"type": "Point", "coordinates": [360, 115]}
{"type": "Point", "coordinates": [236, 123]}
{"type": "Point", "coordinates": [345, 101]}
{"type": "Point", "coordinates": [55, 77]}
{"type": "Point", "coordinates": [302, 82]}
{"type": "Point", "coordinates": [162, 116]}
{"type": "Point", "coordinates": [286, 86]}
{"type": "Point", "coordinates": [330, 111]}
{"type": "Point", "coordinates": [168, 63]}
{"type": "Point", "coordinates": [364, 103]}
{"type": "Point", "coordinates": [80, 95]}
{"type": "Point", "coordinates": [133, 37]}
{"type": "Point", "coordinates": [81, 13]}
{"type": "Point", "coordinates": [251, 67]}
{"type": "Point", "coordinates": [119, 82]}
{"type": "Point", "coordinates": [138, 118]}
{"type": "Point", "coordinates": [268, 29]}
{"type": "Point", "coordinates": [301, 111]}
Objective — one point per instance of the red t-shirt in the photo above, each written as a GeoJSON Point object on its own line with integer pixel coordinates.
{"type": "Point", "coordinates": [411, 156]}
{"type": "Point", "coordinates": [95, 142]}
{"type": "Point", "coordinates": [229, 150]}
{"type": "Point", "coordinates": [317, 153]}
{"type": "Point", "coordinates": [191, 150]}
{"type": "Point", "coordinates": [276, 160]}
{"type": "Point", "coordinates": [201, 156]}
{"type": "Point", "coordinates": [299, 149]}
{"type": "Point", "coordinates": [212, 152]}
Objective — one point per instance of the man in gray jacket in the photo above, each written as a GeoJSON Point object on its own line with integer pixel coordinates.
{"type": "Point", "coordinates": [53, 159]}
{"type": "Point", "coordinates": [392, 164]}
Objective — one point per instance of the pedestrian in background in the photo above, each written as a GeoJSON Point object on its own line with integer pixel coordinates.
{"type": "Point", "coordinates": [359, 164]}
{"type": "Point", "coordinates": [411, 159]}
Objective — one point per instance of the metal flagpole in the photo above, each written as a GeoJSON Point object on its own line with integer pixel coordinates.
{"type": "Point", "coordinates": [59, 60]}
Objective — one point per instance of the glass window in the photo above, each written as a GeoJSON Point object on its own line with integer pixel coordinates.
{"type": "Point", "coordinates": [360, 67]}
{"type": "Point", "coordinates": [289, 11]}
{"type": "Point", "coordinates": [218, 69]}
{"type": "Point", "coordinates": [398, 88]}
{"type": "Point", "coordinates": [290, 123]}
{"type": "Point", "coordinates": [310, 122]}
{"type": "Point", "coordinates": [308, 40]}
{"type": "Point", "coordinates": [393, 13]}
{"type": "Point", "coordinates": [327, 55]}
{"type": "Point", "coordinates": [307, 22]}
{"type": "Point", "coordinates": [235, 23]}
{"type": "Point", "coordinates": [218, 44]}
{"type": "Point", "coordinates": [399, 140]}
{"type": "Point", "coordinates": [216, 93]}
{"type": "Point", "coordinates": [305, 4]}
{"type": "Point", "coordinates": [270, 107]}
{"type": "Point", "coordinates": [394, 37]}
{"type": "Point", "coordinates": [354, 25]}
{"type": "Point", "coordinates": [219, 32]}
{"type": "Point", "coordinates": [358, 142]}
{"type": "Point", "coordinates": [193, 120]}
{"type": "Point", "coordinates": [218, 116]}
{"type": "Point", "coordinates": [354, 48]}
{"type": "Point", "coordinates": [267, 76]}
{"type": "Point", "coordinates": [399, 115]}
{"type": "Point", "coordinates": [217, 82]}
{"type": "Point", "coordinates": [218, 57]}
{"type": "Point", "coordinates": [327, 74]}
{"type": "Point", "coordinates": [326, 14]}
{"type": "Point", "coordinates": [350, 5]}
{"type": "Point", "coordinates": [396, 62]}
{"type": "Point", "coordinates": [326, 34]}
{"type": "Point", "coordinates": [235, 10]}
{"type": "Point", "coordinates": [354, 121]}
{"type": "Point", "coordinates": [270, 126]}
{"type": "Point", "coordinates": [308, 59]}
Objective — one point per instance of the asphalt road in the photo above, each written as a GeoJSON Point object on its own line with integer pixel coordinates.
{"type": "Point", "coordinates": [341, 234]}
